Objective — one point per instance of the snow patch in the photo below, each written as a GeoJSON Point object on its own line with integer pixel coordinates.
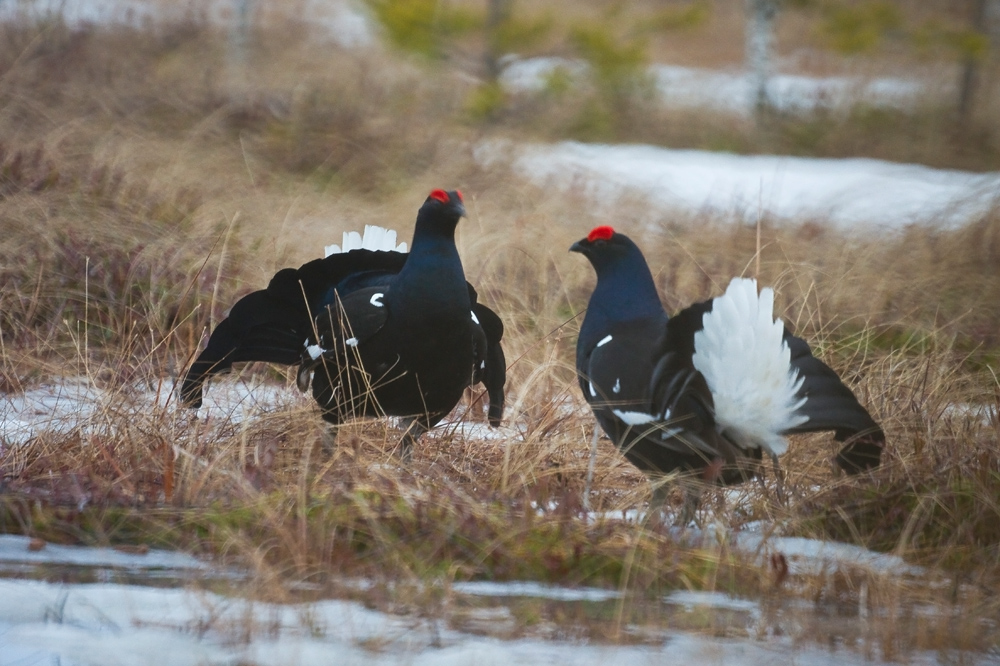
{"type": "Point", "coordinates": [691, 599]}
{"type": "Point", "coordinates": [45, 623]}
{"type": "Point", "coordinates": [846, 192]}
{"type": "Point", "coordinates": [732, 90]}
{"type": "Point", "coordinates": [340, 22]}
{"type": "Point", "coordinates": [535, 590]}
{"type": "Point", "coordinates": [14, 550]}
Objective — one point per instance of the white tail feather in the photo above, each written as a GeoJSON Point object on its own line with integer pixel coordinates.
{"type": "Point", "coordinates": [375, 238]}
{"type": "Point", "coordinates": [747, 365]}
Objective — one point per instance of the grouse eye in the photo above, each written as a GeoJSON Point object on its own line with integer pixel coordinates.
{"type": "Point", "coordinates": [440, 195]}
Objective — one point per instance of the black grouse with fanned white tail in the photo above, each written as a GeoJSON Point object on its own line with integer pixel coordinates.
{"type": "Point", "coordinates": [376, 332]}
{"type": "Point", "coordinates": [710, 389]}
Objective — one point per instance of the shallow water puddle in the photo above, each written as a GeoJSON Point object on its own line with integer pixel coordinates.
{"type": "Point", "coordinates": [75, 605]}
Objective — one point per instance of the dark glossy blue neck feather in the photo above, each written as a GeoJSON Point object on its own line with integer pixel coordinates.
{"type": "Point", "coordinates": [625, 292]}
{"type": "Point", "coordinates": [433, 246]}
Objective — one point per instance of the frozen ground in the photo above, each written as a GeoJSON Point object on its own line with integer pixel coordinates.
{"type": "Point", "coordinates": [109, 624]}
{"type": "Point", "coordinates": [76, 404]}
{"type": "Point", "coordinates": [731, 91]}
{"type": "Point", "coordinates": [338, 21]}
{"type": "Point", "coordinates": [848, 192]}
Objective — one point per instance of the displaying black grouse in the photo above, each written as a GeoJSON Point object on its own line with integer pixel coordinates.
{"type": "Point", "coordinates": [707, 390]}
{"type": "Point", "coordinates": [377, 332]}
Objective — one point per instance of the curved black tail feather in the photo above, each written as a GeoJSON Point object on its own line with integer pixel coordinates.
{"type": "Point", "coordinates": [833, 406]}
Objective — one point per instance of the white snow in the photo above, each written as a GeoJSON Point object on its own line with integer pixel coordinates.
{"type": "Point", "coordinates": [45, 623]}
{"type": "Point", "coordinates": [340, 21]}
{"type": "Point", "coordinates": [730, 91]}
{"type": "Point", "coordinates": [14, 550]}
{"type": "Point", "coordinates": [719, 600]}
{"type": "Point", "coordinates": [812, 556]}
{"type": "Point", "coordinates": [535, 590]}
{"type": "Point", "coordinates": [76, 404]}
{"type": "Point", "coordinates": [846, 192]}
{"type": "Point", "coordinates": [533, 74]}
{"type": "Point", "coordinates": [733, 91]}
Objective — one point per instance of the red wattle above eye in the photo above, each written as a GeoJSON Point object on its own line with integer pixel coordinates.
{"type": "Point", "coordinates": [600, 233]}
{"type": "Point", "coordinates": [440, 195]}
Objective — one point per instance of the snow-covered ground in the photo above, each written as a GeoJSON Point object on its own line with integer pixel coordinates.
{"type": "Point", "coordinates": [341, 22]}
{"type": "Point", "coordinates": [76, 404]}
{"type": "Point", "coordinates": [846, 192]}
{"type": "Point", "coordinates": [108, 624]}
{"type": "Point", "coordinates": [731, 91]}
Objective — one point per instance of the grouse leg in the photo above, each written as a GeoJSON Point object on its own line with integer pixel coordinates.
{"type": "Point", "coordinates": [328, 439]}
{"type": "Point", "coordinates": [779, 480]}
{"type": "Point", "coordinates": [413, 428]}
{"type": "Point", "coordinates": [658, 501]}
{"type": "Point", "coordinates": [590, 471]}
{"type": "Point", "coordinates": [692, 501]}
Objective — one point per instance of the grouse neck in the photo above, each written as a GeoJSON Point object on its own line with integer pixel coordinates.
{"type": "Point", "coordinates": [433, 255]}
{"type": "Point", "coordinates": [625, 291]}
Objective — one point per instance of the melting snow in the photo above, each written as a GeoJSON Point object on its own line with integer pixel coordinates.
{"type": "Point", "coordinates": [849, 192]}
{"type": "Point", "coordinates": [535, 590]}
{"type": "Point", "coordinates": [811, 556]}
{"type": "Point", "coordinates": [14, 550]}
{"type": "Point", "coordinates": [731, 91]}
{"type": "Point", "coordinates": [342, 22]}
{"type": "Point", "coordinates": [76, 404]}
{"type": "Point", "coordinates": [45, 623]}
{"type": "Point", "coordinates": [696, 599]}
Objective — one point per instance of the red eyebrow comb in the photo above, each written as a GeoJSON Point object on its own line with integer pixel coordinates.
{"type": "Point", "coordinates": [441, 196]}
{"type": "Point", "coordinates": [600, 233]}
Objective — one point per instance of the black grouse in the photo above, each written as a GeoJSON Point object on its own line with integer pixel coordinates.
{"type": "Point", "coordinates": [377, 332]}
{"type": "Point", "coordinates": [707, 390]}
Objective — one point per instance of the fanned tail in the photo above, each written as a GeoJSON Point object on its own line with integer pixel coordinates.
{"type": "Point", "coordinates": [378, 239]}
{"type": "Point", "coordinates": [746, 364]}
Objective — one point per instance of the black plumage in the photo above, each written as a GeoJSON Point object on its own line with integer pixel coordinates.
{"type": "Point", "coordinates": [637, 369]}
{"type": "Point", "coordinates": [375, 332]}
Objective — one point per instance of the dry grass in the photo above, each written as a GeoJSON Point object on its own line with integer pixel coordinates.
{"type": "Point", "coordinates": [141, 196]}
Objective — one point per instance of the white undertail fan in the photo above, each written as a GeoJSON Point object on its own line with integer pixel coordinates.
{"type": "Point", "coordinates": [378, 239]}
{"type": "Point", "coordinates": [747, 364]}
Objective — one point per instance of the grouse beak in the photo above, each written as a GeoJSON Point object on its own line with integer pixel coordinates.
{"type": "Point", "coordinates": [455, 198]}
{"type": "Point", "coordinates": [578, 247]}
